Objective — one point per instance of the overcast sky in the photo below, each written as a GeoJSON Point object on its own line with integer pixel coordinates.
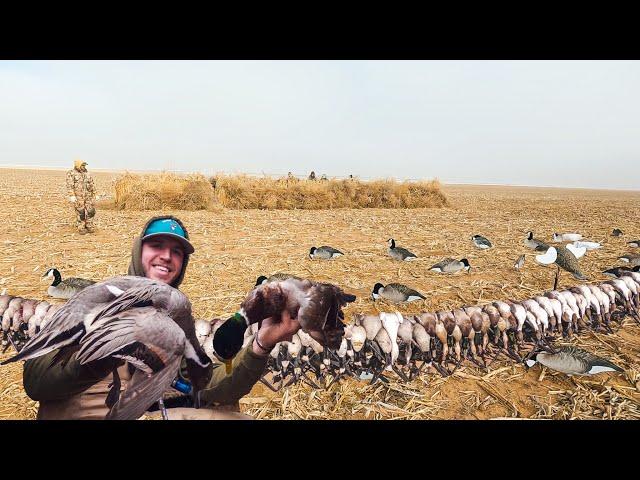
{"type": "Point", "coordinates": [559, 123]}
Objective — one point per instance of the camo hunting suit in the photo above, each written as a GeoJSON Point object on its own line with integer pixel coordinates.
{"type": "Point", "coordinates": [80, 184]}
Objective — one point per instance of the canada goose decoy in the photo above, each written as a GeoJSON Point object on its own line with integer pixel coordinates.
{"type": "Point", "coordinates": [398, 253]}
{"type": "Point", "coordinates": [573, 361]}
{"type": "Point", "coordinates": [535, 244]}
{"type": "Point", "coordinates": [450, 265]}
{"type": "Point", "coordinates": [616, 232]}
{"type": "Point", "coordinates": [324, 253]}
{"type": "Point", "coordinates": [566, 237]}
{"type": "Point", "coordinates": [317, 306]}
{"type": "Point", "coordinates": [630, 258]}
{"type": "Point", "coordinates": [519, 263]}
{"type": "Point", "coordinates": [276, 277]}
{"type": "Point", "coordinates": [634, 243]}
{"type": "Point", "coordinates": [481, 242]}
{"type": "Point", "coordinates": [396, 293]}
{"type": "Point", "coordinates": [564, 258]}
{"type": "Point", "coordinates": [617, 271]}
{"type": "Point", "coordinates": [65, 288]}
{"type": "Point", "coordinates": [142, 321]}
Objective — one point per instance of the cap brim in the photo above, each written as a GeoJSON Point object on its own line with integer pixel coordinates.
{"type": "Point", "coordinates": [188, 248]}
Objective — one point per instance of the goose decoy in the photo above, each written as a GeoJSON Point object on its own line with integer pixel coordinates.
{"type": "Point", "coordinates": [587, 245]}
{"type": "Point", "coordinates": [573, 361]}
{"type": "Point", "coordinates": [481, 242]}
{"type": "Point", "coordinates": [65, 288]}
{"type": "Point", "coordinates": [564, 258]}
{"type": "Point", "coordinates": [634, 243]}
{"type": "Point", "coordinates": [317, 306]}
{"type": "Point", "coordinates": [519, 263]}
{"type": "Point", "coordinates": [396, 293]}
{"type": "Point", "coordinates": [617, 271]}
{"type": "Point", "coordinates": [450, 265]}
{"type": "Point", "coordinates": [535, 244]}
{"type": "Point", "coordinates": [324, 253]}
{"type": "Point", "coordinates": [142, 321]}
{"type": "Point", "coordinates": [398, 253]}
{"type": "Point", "coordinates": [276, 277]}
{"type": "Point", "coordinates": [616, 232]}
{"type": "Point", "coordinates": [630, 258]}
{"type": "Point", "coordinates": [566, 237]}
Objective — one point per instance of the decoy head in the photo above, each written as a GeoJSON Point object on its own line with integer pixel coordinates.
{"type": "Point", "coordinates": [260, 280]}
{"type": "Point", "coordinates": [392, 243]}
{"type": "Point", "coordinates": [529, 235]}
{"type": "Point", "coordinates": [312, 251]}
{"type": "Point", "coordinates": [465, 262]}
{"type": "Point", "coordinates": [376, 290]}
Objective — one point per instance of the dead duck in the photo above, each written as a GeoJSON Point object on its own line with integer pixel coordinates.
{"type": "Point", "coordinates": [276, 277]}
{"type": "Point", "coordinates": [396, 293]}
{"type": "Point", "coordinates": [572, 361]}
{"type": "Point", "coordinates": [451, 265]}
{"type": "Point", "coordinates": [119, 318]}
{"type": "Point", "coordinates": [324, 253]}
{"type": "Point", "coordinates": [65, 288]}
{"type": "Point", "coordinates": [398, 253]}
{"type": "Point", "coordinates": [617, 271]}
{"type": "Point", "coordinates": [481, 242]}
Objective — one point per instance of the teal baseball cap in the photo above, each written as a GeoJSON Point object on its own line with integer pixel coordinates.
{"type": "Point", "coordinates": [168, 227]}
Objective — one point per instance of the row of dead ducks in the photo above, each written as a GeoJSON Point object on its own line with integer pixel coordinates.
{"type": "Point", "coordinates": [405, 344]}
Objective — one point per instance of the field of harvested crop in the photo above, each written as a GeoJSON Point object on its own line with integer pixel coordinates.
{"type": "Point", "coordinates": [233, 247]}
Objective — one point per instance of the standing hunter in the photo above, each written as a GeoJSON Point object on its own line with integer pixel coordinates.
{"type": "Point", "coordinates": [82, 194]}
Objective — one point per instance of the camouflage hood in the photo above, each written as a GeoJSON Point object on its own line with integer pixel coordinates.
{"type": "Point", "coordinates": [135, 266]}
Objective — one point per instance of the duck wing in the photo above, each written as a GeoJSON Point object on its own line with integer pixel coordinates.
{"type": "Point", "coordinates": [409, 292]}
{"type": "Point", "coordinates": [589, 359]}
{"type": "Point", "coordinates": [143, 390]}
{"type": "Point", "coordinates": [441, 264]}
{"type": "Point", "coordinates": [330, 249]}
{"type": "Point", "coordinates": [79, 282]}
{"type": "Point", "coordinates": [404, 252]}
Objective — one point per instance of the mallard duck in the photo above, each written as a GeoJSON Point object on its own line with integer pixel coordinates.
{"type": "Point", "coordinates": [451, 265]}
{"type": "Point", "coordinates": [65, 288]}
{"type": "Point", "coordinates": [144, 322]}
{"type": "Point", "coordinates": [573, 361]}
{"type": "Point", "coordinates": [396, 292]}
{"type": "Point", "coordinates": [324, 253]}
{"type": "Point", "coordinates": [398, 253]}
{"type": "Point", "coordinates": [481, 242]}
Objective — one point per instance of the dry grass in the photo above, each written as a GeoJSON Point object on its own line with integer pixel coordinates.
{"type": "Point", "coordinates": [242, 191]}
{"type": "Point", "coordinates": [163, 191]}
{"type": "Point", "coordinates": [233, 247]}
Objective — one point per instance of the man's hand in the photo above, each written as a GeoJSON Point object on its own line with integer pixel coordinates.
{"type": "Point", "coordinates": [273, 331]}
{"type": "Point", "coordinates": [72, 199]}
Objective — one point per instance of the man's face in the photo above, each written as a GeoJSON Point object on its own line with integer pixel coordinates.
{"type": "Point", "coordinates": [162, 258]}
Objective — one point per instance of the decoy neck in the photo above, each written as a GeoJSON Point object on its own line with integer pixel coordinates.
{"type": "Point", "coordinates": [53, 272]}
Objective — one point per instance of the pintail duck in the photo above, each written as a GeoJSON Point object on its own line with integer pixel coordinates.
{"type": "Point", "coordinates": [65, 288]}
{"type": "Point", "coordinates": [481, 242]}
{"type": "Point", "coordinates": [632, 259]}
{"type": "Point", "coordinates": [573, 361]}
{"type": "Point", "coordinates": [142, 321]}
{"type": "Point", "coordinates": [398, 253]}
{"type": "Point", "coordinates": [451, 265]}
{"type": "Point", "coordinates": [535, 244]}
{"type": "Point", "coordinates": [396, 293]}
{"type": "Point", "coordinates": [566, 237]}
{"type": "Point", "coordinates": [276, 277]}
{"type": "Point", "coordinates": [324, 253]}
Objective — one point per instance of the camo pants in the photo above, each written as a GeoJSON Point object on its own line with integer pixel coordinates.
{"type": "Point", "coordinates": [85, 211]}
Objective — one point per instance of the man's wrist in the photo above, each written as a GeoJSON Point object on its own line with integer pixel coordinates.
{"type": "Point", "coordinates": [259, 348]}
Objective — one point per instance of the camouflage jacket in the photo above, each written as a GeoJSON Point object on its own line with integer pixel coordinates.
{"type": "Point", "coordinates": [80, 185]}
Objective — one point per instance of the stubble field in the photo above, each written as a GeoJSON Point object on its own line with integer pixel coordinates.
{"type": "Point", "coordinates": [233, 247]}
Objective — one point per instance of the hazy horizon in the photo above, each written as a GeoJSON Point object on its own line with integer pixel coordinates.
{"type": "Point", "coordinates": [570, 124]}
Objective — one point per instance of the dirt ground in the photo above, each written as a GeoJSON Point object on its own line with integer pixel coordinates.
{"type": "Point", "coordinates": [234, 247]}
